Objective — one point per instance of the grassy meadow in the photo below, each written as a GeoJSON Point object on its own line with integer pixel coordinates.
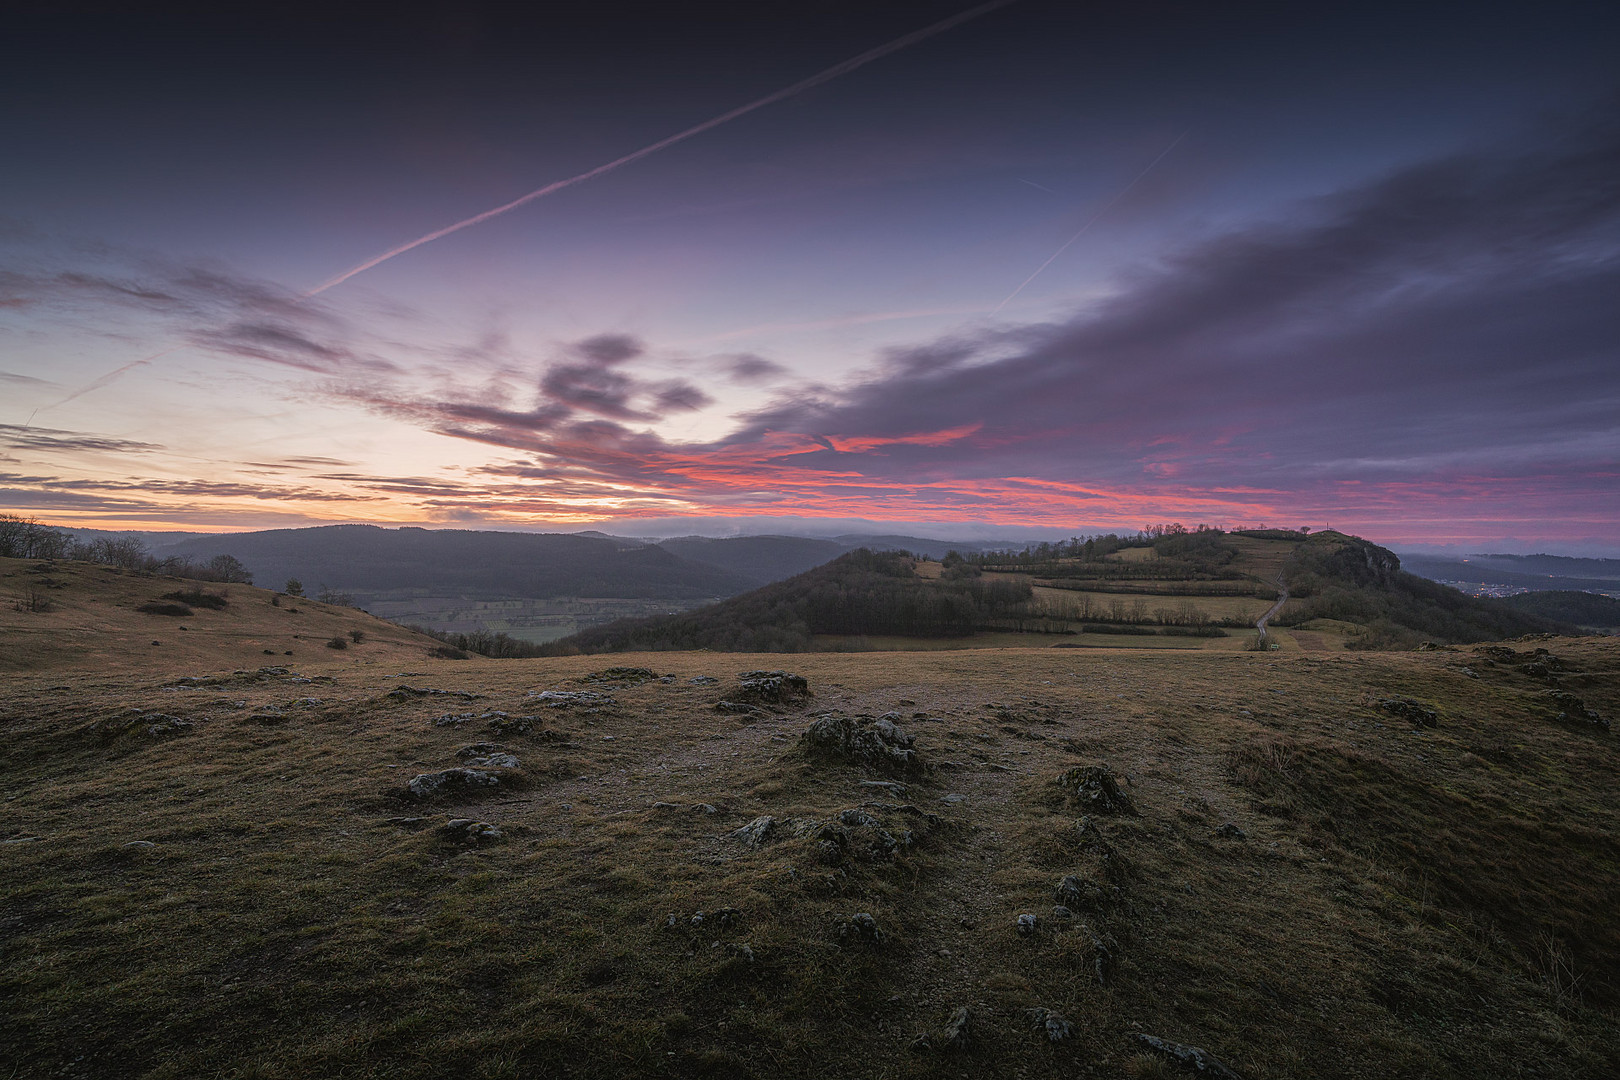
{"type": "Point", "coordinates": [214, 870]}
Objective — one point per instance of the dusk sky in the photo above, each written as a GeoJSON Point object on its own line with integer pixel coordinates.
{"type": "Point", "coordinates": [1059, 266]}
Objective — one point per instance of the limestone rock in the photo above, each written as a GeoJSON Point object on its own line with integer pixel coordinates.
{"type": "Point", "coordinates": [1191, 1058]}
{"type": "Point", "coordinates": [1094, 788]}
{"type": "Point", "coordinates": [427, 785]}
{"type": "Point", "coordinates": [756, 832]}
{"type": "Point", "coordinates": [568, 699]}
{"type": "Point", "coordinates": [471, 831]}
{"type": "Point", "coordinates": [878, 744]}
{"type": "Point", "coordinates": [861, 929]}
{"type": "Point", "coordinates": [1573, 710]}
{"type": "Point", "coordinates": [1053, 1025]}
{"type": "Point", "coordinates": [772, 687]}
{"type": "Point", "coordinates": [1410, 709]}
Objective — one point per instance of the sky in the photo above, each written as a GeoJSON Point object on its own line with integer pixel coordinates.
{"type": "Point", "coordinates": [1023, 267]}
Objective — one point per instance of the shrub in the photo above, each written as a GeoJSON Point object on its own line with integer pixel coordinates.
{"type": "Point", "coordinates": [357, 636]}
{"type": "Point", "coordinates": [157, 607]}
{"type": "Point", "coordinates": [294, 587]}
{"type": "Point", "coordinates": [446, 652]}
{"type": "Point", "coordinates": [337, 643]}
{"type": "Point", "coordinates": [35, 601]}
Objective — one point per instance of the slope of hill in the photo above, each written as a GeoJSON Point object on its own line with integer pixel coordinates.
{"type": "Point", "coordinates": [1307, 866]}
{"type": "Point", "coordinates": [76, 615]}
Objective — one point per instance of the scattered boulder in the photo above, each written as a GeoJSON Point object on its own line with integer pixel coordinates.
{"type": "Point", "coordinates": [427, 785]}
{"type": "Point", "coordinates": [772, 687]}
{"type": "Point", "coordinates": [1573, 710]}
{"type": "Point", "coordinates": [1077, 892]}
{"type": "Point", "coordinates": [625, 675]}
{"type": "Point", "coordinates": [502, 724]}
{"type": "Point", "coordinates": [893, 787]}
{"type": "Point", "coordinates": [498, 760]}
{"type": "Point", "coordinates": [1053, 1025]}
{"type": "Point", "coordinates": [1229, 831]}
{"type": "Point", "coordinates": [1104, 957]}
{"type": "Point", "coordinates": [861, 929]}
{"type": "Point", "coordinates": [1410, 709]}
{"type": "Point", "coordinates": [471, 831]}
{"type": "Point", "coordinates": [878, 744]}
{"type": "Point", "coordinates": [955, 1035]}
{"type": "Point", "coordinates": [166, 724]}
{"type": "Point", "coordinates": [1094, 787]}
{"type": "Point", "coordinates": [1026, 925]}
{"type": "Point", "coordinates": [404, 692]}
{"type": "Point", "coordinates": [756, 832]}
{"type": "Point", "coordinates": [568, 699]}
{"type": "Point", "coordinates": [1190, 1058]}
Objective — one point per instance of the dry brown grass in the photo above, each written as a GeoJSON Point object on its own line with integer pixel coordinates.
{"type": "Point", "coordinates": [94, 623]}
{"type": "Point", "coordinates": [230, 898]}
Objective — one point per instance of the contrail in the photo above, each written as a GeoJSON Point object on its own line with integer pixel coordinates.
{"type": "Point", "coordinates": [1090, 223]}
{"type": "Point", "coordinates": [99, 383]}
{"type": "Point", "coordinates": [797, 88]}
{"type": "Point", "coordinates": [1033, 184]}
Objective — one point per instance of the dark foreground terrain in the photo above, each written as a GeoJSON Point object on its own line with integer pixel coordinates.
{"type": "Point", "coordinates": [1328, 865]}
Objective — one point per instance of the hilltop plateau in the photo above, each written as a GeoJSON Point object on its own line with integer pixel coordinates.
{"type": "Point", "coordinates": [985, 863]}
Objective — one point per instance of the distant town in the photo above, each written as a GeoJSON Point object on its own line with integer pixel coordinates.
{"type": "Point", "coordinates": [1485, 588]}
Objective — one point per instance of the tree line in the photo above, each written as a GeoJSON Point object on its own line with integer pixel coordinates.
{"type": "Point", "coordinates": [24, 538]}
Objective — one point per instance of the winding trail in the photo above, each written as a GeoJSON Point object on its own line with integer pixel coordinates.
{"type": "Point", "coordinates": [1282, 598]}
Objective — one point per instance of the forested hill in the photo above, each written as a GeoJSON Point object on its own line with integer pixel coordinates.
{"type": "Point", "coordinates": [1343, 583]}
{"type": "Point", "coordinates": [861, 593]}
{"type": "Point", "coordinates": [1348, 579]}
{"type": "Point", "coordinates": [1580, 608]}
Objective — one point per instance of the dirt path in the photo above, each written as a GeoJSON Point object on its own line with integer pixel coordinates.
{"type": "Point", "coordinates": [1282, 598]}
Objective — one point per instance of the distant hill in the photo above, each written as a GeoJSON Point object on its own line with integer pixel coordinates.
{"type": "Point", "coordinates": [761, 559]}
{"type": "Point", "coordinates": [1580, 608]}
{"type": "Point", "coordinates": [1537, 572]}
{"type": "Point", "coordinates": [927, 547]}
{"type": "Point", "coordinates": [365, 559]}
